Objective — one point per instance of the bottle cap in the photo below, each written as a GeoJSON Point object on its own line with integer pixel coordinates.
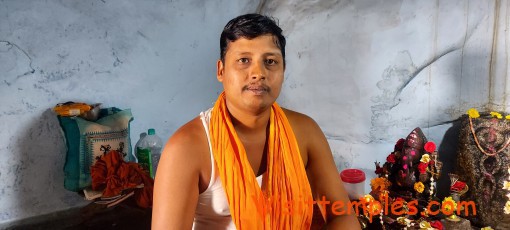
{"type": "Point", "coordinates": [352, 176]}
{"type": "Point", "coordinates": [151, 132]}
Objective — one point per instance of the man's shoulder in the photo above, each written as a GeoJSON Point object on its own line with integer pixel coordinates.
{"type": "Point", "coordinates": [302, 125]}
{"type": "Point", "coordinates": [297, 118]}
{"type": "Point", "coordinates": [190, 135]}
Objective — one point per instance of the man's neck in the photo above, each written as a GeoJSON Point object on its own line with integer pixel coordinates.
{"type": "Point", "coordinates": [247, 121]}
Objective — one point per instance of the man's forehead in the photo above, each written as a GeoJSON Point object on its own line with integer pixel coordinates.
{"type": "Point", "coordinates": [275, 53]}
{"type": "Point", "coordinates": [265, 43]}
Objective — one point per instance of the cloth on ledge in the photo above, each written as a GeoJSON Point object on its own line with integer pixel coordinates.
{"type": "Point", "coordinates": [113, 175]}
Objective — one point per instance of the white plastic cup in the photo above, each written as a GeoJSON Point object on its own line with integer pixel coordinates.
{"type": "Point", "coordinates": [354, 183]}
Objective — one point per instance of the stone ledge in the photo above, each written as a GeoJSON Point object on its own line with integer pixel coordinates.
{"type": "Point", "coordinates": [92, 216]}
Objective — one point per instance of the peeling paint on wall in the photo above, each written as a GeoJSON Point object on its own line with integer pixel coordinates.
{"type": "Point", "coordinates": [394, 80]}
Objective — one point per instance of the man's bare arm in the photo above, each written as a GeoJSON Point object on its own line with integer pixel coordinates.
{"type": "Point", "coordinates": [325, 180]}
{"type": "Point", "coordinates": [176, 186]}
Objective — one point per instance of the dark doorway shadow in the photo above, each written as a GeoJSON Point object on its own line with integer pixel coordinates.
{"type": "Point", "coordinates": [448, 156]}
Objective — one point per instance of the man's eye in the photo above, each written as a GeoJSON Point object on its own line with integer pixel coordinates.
{"type": "Point", "coordinates": [243, 60]}
{"type": "Point", "coordinates": [271, 62]}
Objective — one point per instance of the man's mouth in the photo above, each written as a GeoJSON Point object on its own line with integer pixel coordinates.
{"type": "Point", "coordinates": [257, 89]}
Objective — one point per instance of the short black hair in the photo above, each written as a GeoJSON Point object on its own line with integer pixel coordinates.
{"type": "Point", "coordinates": [250, 26]}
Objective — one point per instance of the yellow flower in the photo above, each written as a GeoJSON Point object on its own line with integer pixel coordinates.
{"type": "Point", "coordinates": [380, 184]}
{"type": "Point", "coordinates": [419, 187]}
{"type": "Point", "coordinates": [473, 113]}
{"type": "Point", "coordinates": [507, 117]}
{"type": "Point", "coordinates": [507, 207]}
{"type": "Point", "coordinates": [506, 185]}
{"type": "Point", "coordinates": [448, 204]}
{"type": "Point", "coordinates": [375, 208]}
{"type": "Point", "coordinates": [487, 228]}
{"type": "Point", "coordinates": [368, 198]}
{"type": "Point", "coordinates": [425, 158]}
{"type": "Point", "coordinates": [425, 225]}
{"type": "Point", "coordinates": [496, 114]}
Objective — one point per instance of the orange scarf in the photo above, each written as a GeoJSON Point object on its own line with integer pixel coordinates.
{"type": "Point", "coordinates": [286, 202]}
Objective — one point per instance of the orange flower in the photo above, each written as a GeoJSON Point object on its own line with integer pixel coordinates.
{"type": "Point", "coordinates": [419, 187]}
{"type": "Point", "coordinates": [375, 208]}
{"type": "Point", "coordinates": [367, 198]}
{"type": "Point", "coordinates": [379, 184]}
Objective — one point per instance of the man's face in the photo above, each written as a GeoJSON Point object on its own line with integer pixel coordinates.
{"type": "Point", "coordinates": [252, 74]}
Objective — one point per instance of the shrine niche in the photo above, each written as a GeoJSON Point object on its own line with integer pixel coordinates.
{"type": "Point", "coordinates": [483, 163]}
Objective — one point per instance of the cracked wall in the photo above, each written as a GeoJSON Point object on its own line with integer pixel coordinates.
{"type": "Point", "coordinates": [155, 57]}
{"type": "Point", "coordinates": [370, 72]}
{"type": "Point", "coordinates": [16, 64]}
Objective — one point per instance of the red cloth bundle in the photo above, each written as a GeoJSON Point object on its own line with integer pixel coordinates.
{"type": "Point", "coordinates": [458, 186]}
{"type": "Point", "coordinates": [113, 175]}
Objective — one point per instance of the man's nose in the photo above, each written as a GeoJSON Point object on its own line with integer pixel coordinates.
{"type": "Point", "coordinates": [258, 71]}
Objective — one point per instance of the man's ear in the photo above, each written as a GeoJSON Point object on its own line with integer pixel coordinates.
{"type": "Point", "coordinates": [219, 70]}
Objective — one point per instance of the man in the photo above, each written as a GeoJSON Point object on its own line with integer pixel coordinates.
{"type": "Point", "coordinates": [247, 163]}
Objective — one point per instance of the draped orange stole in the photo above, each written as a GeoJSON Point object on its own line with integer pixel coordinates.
{"type": "Point", "coordinates": [286, 202]}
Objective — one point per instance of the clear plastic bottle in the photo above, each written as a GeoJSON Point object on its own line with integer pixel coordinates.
{"type": "Point", "coordinates": [138, 143]}
{"type": "Point", "coordinates": [148, 152]}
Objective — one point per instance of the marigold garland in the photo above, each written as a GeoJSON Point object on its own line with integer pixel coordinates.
{"type": "Point", "coordinates": [473, 113]}
{"type": "Point", "coordinates": [491, 152]}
